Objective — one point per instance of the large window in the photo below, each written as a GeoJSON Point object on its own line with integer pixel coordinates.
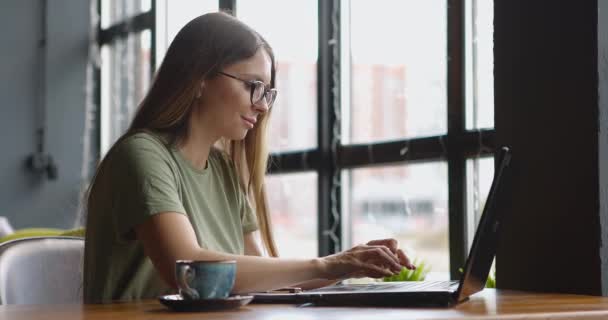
{"type": "Point", "coordinates": [383, 122]}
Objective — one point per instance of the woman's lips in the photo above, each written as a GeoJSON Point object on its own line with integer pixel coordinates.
{"type": "Point", "coordinates": [249, 121]}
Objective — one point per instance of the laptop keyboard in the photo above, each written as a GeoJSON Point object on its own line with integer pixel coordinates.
{"type": "Point", "coordinates": [393, 286]}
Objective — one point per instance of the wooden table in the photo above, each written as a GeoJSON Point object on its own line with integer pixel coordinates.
{"type": "Point", "coordinates": [488, 304]}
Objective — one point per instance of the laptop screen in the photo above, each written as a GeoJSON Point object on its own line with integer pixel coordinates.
{"type": "Point", "coordinates": [484, 245]}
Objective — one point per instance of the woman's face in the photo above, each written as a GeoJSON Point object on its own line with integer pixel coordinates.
{"type": "Point", "coordinates": [225, 104]}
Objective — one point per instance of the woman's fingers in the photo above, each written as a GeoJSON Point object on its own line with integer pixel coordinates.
{"type": "Point", "coordinates": [392, 244]}
{"type": "Point", "coordinates": [382, 256]}
{"type": "Point", "coordinates": [379, 258]}
{"type": "Point", "coordinates": [375, 271]}
{"type": "Point", "coordinates": [393, 255]}
{"type": "Point", "coordinates": [404, 260]}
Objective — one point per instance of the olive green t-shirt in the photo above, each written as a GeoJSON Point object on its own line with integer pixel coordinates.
{"type": "Point", "coordinates": [142, 176]}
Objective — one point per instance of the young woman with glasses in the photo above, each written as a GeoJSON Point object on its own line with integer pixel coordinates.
{"type": "Point", "coordinates": [186, 181]}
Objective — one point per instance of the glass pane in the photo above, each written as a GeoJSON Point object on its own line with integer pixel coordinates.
{"type": "Point", "coordinates": [292, 199]}
{"type": "Point", "coordinates": [480, 172]}
{"type": "Point", "coordinates": [398, 70]}
{"type": "Point", "coordinates": [171, 16]}
{"type": "Point", "coordinates": [125, 78]}
{"type": "Point", "coordinates": [406, 202]}
{"type": "Point", "coordinates": [480, 64]}
{"type": "Point", "coordinates": [293, 124]}
{"type": "Point", "coordinates": [116, 11]}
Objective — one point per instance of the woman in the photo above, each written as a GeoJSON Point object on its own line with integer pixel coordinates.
{"type": "Point", "coordinates": [186, 178]}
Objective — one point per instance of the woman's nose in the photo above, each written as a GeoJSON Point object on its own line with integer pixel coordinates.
{"type": "Point", "coordinates": [261, 106]}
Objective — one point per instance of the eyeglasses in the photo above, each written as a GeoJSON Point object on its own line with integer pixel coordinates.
{"type": "Point", "coordinates": [259, 92]}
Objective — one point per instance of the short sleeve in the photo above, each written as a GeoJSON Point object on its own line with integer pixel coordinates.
{"type": "Point", "coordinates": [144, 184]}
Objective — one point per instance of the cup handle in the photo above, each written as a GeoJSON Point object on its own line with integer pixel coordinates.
{"type": "Point", "coordinates": [185, 273]}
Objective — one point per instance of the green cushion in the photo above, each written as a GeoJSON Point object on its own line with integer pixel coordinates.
{"type": "Point", "coordinates": [43, 232]}
{"type": "Point", "coordinates": [31, 232]}
{"type": "Point", "coordinates": [79, 232]}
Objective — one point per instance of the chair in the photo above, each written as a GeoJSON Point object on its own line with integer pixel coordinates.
{"type": "Point", "coordinates": [41, 270]}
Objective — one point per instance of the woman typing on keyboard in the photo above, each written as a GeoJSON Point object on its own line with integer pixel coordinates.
{"type": "Point", "coordinates": [186, 181]}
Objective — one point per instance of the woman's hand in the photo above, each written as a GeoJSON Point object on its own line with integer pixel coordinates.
{"type": "Point", "coordinates": [378, 258]}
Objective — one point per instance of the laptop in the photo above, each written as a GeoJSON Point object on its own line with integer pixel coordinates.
{"type": "Point", "coordinates": [419, 293]}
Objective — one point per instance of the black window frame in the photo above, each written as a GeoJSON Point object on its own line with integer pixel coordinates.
{"type": "Point", "coordinates": [331, 156]}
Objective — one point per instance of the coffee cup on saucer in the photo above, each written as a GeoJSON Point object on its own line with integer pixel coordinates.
{"type": "Point", "coordinates": [205, 280]}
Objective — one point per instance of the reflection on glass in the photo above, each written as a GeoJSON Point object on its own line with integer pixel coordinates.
{"type": "Point", "coordinates": [408, 203]}
{"type": "Point", "coordinates": [291, 29]}
{"type": "Point", "coordinates": [125, 78]}
{"type": "Point", "coordinates": [398, 70]}
{"type": "Point", "coordinates": [116, 11]}
{"type": "Point", "coordinates": [292, 199]}
{"type": "Point", "coordinates": [480, 173]}
{"type": "Point", "coordinates": [480, 64]}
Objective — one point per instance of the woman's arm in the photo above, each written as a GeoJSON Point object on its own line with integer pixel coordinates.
{"type": "Point", "coordinates": [253, 249]}
{"type": "Point", "coordinates": [167, 237]}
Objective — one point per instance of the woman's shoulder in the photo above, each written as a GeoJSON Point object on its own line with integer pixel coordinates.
{"type": "Point", "coordinates": [138, 142]}
{"type": "Point", "coordinates": [144, 139]}
{"type": "Point", "coordinates": [140, 147]}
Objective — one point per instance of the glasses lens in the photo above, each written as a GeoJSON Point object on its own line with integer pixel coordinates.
{"type": "Point", "coordinates": [258, 92]}
{"type": "Point", "coordinates": [271, 95]}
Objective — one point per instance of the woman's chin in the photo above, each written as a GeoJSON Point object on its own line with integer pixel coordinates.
{"type": "Point", "coordinates": [237, 136]}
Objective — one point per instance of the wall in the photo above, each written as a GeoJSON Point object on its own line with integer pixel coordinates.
{"type": "Point", "coordinates": [26, 198]}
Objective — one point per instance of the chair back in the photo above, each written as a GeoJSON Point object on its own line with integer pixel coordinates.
{"type": "Point", "coordinates": [41, 270]}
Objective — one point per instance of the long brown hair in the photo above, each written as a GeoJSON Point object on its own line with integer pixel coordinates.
{"type": "Point", "coordinates": [201, 48]}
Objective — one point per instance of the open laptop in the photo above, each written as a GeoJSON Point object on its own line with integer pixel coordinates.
{"type": "Point", "coordinates": [419, 293]}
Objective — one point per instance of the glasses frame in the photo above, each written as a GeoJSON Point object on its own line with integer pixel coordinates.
{"type": "Point", "coordinates": [252, 85]}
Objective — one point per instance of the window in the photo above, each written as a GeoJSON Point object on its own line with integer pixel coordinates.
{"type": "Point", "coordinates": [398, 74]}
{"type": "Point", "coordinates": [125, 70]}
{"type": "Point", "coordinates": [114, 12]}
{"type": "Point", "coordinates": [480, 76]}
{"type": "Point", "coordinates": [293, 123]}
{"type": "Point", "coordinates": [125, 78]}
{"type": "Point", "coordinates": [405, 202]}
{"type": "Point", "coordinates": [292, 199]}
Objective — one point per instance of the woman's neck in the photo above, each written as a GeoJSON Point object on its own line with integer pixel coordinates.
{"type": "Point", "coordinates": [197, 145]}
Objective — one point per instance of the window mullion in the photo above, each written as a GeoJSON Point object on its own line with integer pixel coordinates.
{"type": "Point", "coordinates": [228, 5]}
{"type": "Point", "coordinates": [153, 31]}
{"type": "Point", "coordinates": [328, 71]}
{"type": "Point", "coordinates": [456, 127]}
